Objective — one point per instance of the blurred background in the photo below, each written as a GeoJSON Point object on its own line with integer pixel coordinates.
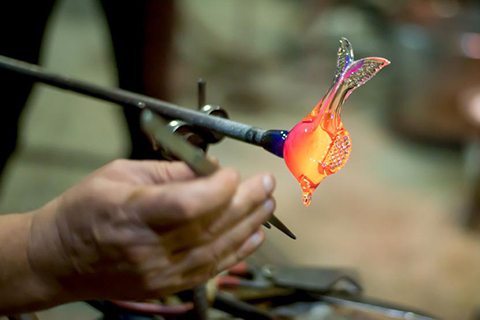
{"type": "Point", "coordinates": [405, 210]}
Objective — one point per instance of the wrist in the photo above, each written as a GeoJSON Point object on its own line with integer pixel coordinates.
{"type": "Point", "coordinates": [21, 288]}
{"type": "Point", "coordinates": [46, 257]}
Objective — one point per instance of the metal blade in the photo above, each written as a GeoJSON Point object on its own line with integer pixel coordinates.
{"type": "Point", "coordinates": [281, 226]}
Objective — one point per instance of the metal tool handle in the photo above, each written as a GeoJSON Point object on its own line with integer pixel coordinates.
{"type": "Point", "coordinates": [193, 157]}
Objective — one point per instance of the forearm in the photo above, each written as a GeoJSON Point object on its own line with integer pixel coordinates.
{"type": "Point", "coordinates": [21, 288]}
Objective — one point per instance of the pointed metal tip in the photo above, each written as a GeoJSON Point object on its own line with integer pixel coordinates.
{"type": "Point", "coordinates": [281, 226]}
{"type": "Point", "coordinates": [267, 225]}
{"type": "Point", "coordinates": [290, 234]}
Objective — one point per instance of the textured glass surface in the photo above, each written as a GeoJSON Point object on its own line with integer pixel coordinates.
{"type": "Point", "coordinates": [319, 145]}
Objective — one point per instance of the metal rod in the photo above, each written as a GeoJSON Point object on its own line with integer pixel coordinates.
{"type": "Point", "coordinates": [232, 129]}
{"type": "Point", "coordinates": [202, 94]}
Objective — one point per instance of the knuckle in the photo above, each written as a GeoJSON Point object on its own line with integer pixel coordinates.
{"type": "Point", "coordinates": [260, 193]}
{"type": "Point", "coordinates": [233, 176]}
{"type": "Point", "coordinates": [201, 278]}
{"type": "Point", "coordinates": [205, 234]}
{"type": "Point", "coordinates": [154, 282]}
{"type": "Point", "coordinates": [253, 226]}
{"type": "Point", "coordinates": [118, 164]}
{"type": "Point", "coordinates": [238, 205]}
{"type": "Point", "coordinates": [216, 252]}
{"type": "Point", "coordinates": [190, 208]}
{"type": "Point", "coordinates": [151, 285]}
{"type": "Point", "coordinates": [134, 257]}
{"type": "Point", "coordinates": [254, 195]}
{"type": "Point", "coordinates": [213, 271]}
{"type": "Point", "coordinates": [186, 210]}
{"type": "Point", "coordinates": [174, 284]}
{"type": "Point", "coordinates": [237, 257]}
{"type": "Point", "coordinates": [200, 256]}
{"type": "Point", "coordinates": [211, 228]}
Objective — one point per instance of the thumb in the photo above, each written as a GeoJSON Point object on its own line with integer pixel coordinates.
{"type": "Point", "coordinates": [161, 172]}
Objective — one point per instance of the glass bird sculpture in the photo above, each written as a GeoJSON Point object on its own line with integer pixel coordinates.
{"type": "Point", "coordinates": [319, 145]}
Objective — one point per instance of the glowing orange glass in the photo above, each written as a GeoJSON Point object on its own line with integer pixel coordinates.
{"type": "Point", "coordinates": [319, 145]}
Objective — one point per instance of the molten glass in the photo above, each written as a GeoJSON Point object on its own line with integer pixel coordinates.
{"type": "Point", "coordinates": [319, 145]}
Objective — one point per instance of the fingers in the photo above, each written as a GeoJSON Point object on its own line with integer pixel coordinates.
{"type": "Point", "coordinates": [230, 247]}
{"type": "Point", "coordinates": [203, 274]}
{"type": "Point", "coordinates": [164, 207]}
{"type": "Point", "coordinates": [246, 249]}
{"type": "Point", "coordinates": [148, 172]}
{"type": "Point", "coordinates": [250, 194]}
{"type": "Point", "coordinates": [212, 234]}
{"type": "Point", "coordinates": [243, 240]}
{"type": "Point", "coordinates": [160, 172]}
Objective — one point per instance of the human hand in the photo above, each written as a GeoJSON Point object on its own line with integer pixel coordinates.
{"type": "Point", "coordinates": [142, 229]}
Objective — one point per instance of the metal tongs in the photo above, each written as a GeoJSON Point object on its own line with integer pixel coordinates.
{"type": "Point", "coordinates": [157, 128]}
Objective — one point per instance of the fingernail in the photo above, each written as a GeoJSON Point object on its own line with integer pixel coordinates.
{"type": "Point", "coordinates": [268, 205]}
{"type": "Point", "coordinates": [256, 239]}
{"type": "Point", "coordinates": [251, 244]}
{"type": "Point", "coordinates": [268, 183]}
